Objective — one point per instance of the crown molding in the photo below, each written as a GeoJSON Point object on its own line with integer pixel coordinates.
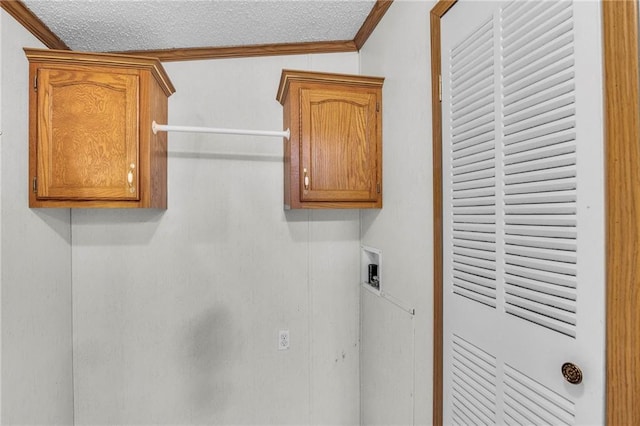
{"type": "Point", "coordinates": [376, 14]}
{"type": "Point", "coordinates": [33, 24]}
{"type": "Point", "coordinates": [198, 53]}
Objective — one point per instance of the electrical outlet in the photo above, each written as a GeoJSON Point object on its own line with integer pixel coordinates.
{"type": "Point", "coordinates": [283, 340]}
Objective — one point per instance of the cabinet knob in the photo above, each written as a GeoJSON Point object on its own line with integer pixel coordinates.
{"type": "Point", "coordinates": [306, 179]}
{"type": "Point", "coordinates": [132, 188]}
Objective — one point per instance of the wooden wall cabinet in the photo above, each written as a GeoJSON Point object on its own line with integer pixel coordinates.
{"type": "Point", "coordinates": [333, 158]}
{"type": "Point", "coordinates": [90, 137]}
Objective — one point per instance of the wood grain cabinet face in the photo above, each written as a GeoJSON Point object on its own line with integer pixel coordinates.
{"type": "Point", "coordinates": [87, 135]}
{"type": "Point", "coordinates": [91, 143]}
{"type": "Point", "coordinates": [334, 156]}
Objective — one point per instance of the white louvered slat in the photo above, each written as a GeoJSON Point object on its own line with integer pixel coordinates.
{"type": "Point", "coordinates": [472, 290]}
{"type": "Point", "coordinates": [542, 287]}
{"type": "Point", "coordinates": [537, 157]}
{"type": "Point", "coordinates": [466, 66]}
{"type": "Point", "coordinates": [540, 165]}
{"type": "Point", "coordinates": [514, 418]}
{"type": "Point", "coordinates": [479, 175]}
{"type": "Point", "coordinates": [541, 72]}
{"type": "Point", "coordinates": [547, 231]}
{"type": "Point", "coordinates": [543, 297]}
{"type": "Point", "coordinates": [478, 279]}
{"type": "Point", "coordinates": [481, 99]}
{"type": "Point", "coordinates": [466, 72]}
{"type": "Point", "coordinates": [478, 77]}
{"type": "Point", "coordinates": [530, 18]}
{"type": "Point", "coordinates": [538, 77]}
{"type": "Point", "coordinates": [474, 184]}
{"type": "Point", "coordinates": [483, 253]}
{"type": "Point", "coordinates": [557, 18]}
{"type": "Point", "coordinates": [542, 132]}
{"type": "Point", "coordinates": [471, 114]}
{"type": "Point", "coordinates": [473, 202]}
{"type": "Point", "coordinates": [471, 134]}
{"type": "Point", "coordinates": [554, 185]}
{"type": "Point", "coordinates": [473, 383]}
{"type": "Point", "coordinates": [540, 175]}
{"type": "Point", "coordinates": [547, 253]}
{"type": "Point", "coordinates": [461, 49]}
{"type": "Point", "coordinates": [473, 168]}
{"type": "Point", "coordinates": [479, 210]}
{"type": "Point", "coordinates": [547, 243]}
{"type": "Point", "coordinates": [475, 227]}
{"type": "Point", "coordinates": [475, 159]}
{"type": "Point", "coordinates": [473, 262]}
{"type": "Point", "coordinates": [482, 237]}
{"type": "Point", "coordinates": [478, 140]}
{"type": "Point", "coordinates": [528, 399]}
{"type": "Point", "coordinates": [533, 209]}
{"type": "Point", "coordinates": [472, 157]}
{"type": "Point", "coordinates": [467, 243]}
{"type": "Point", "coordinates": [545, 198]}
{"type": "Point", "coordinates": [549, 277]}
{"type": "Point", "coordinates": [513, 12]}
{"type": "Point", "coordinates": [536, 265]}
{"type": "Point", "coordinates": [473, 101]}
{"type": "Point", "coordinates": [540, 220]}
{"type": "Point", "coordinates": [536, 309]}
{"type": "Point", "coordinates": [516, 105]}
{"type": "Point", "coordinates": [557, 105]}
{"type": "Point", "coordinates": [470, 126]}
{"type": "Point", "coordinates": [540, 317]}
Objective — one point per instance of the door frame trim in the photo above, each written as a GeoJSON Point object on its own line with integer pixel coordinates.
{"type": "Point", "coordinates": [622, 165]}
{"type": "Point", "coordinates": [622, 209]}
{"type": "Point", "coordinates": [436, 124]}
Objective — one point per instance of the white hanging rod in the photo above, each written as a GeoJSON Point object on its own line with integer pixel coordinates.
{"type": "Point", "coordinates": [167, 128]}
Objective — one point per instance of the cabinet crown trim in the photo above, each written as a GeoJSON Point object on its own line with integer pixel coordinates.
{"type": "Point", "coordinates": [289, 76]}
{"type": "Point", "coordinates": [104, 59]}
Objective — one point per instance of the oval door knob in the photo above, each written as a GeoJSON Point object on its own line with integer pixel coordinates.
{"type": "Point", "coordinates": [572, 373]}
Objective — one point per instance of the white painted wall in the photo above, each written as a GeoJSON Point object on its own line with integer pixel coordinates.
{"type": "Point", "coordinates": [35, 258]}
{"type": "Point", "coordinates": [399, 51]}
{"type": "Point", "coordinates": [176, 313]}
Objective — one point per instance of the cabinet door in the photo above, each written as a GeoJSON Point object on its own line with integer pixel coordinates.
{"type": "Point", "coordinates": [339, 145]}
{"type": "Point", "coordinates": [87, 135]}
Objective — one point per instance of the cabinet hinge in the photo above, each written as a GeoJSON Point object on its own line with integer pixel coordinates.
{"type": "Point", "coordinates": [440, 87]}
{"type": "Point", "coordinates": [377, 106]}
{"type": "Point", "coordinates": [35, 83]}
{"type": "Point", "coordinates": [34, 184]}
{"type": "Point", "coordinates": [378, 187]}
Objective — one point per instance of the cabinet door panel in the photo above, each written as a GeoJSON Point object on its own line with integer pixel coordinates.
{"type": "Point", "coordinates": [339, 149]}
{"type": "Point", "coordinates": [87, 135]}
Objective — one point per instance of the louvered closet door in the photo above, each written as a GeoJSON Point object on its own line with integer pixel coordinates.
{"type": "Point", "coordinates": [523, 197]}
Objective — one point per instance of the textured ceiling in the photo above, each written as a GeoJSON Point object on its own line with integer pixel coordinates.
{"type": "Point", "coordinates": [121, 25]}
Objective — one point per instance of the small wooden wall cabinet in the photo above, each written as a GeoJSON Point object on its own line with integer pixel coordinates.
{"type": "Point", "coordinates": [333, 158]}
{"type": "Point", "coordinates": [90, 137]}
